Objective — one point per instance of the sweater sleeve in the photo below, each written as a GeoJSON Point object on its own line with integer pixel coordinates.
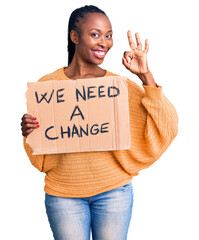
{"type": "Point", "coordinates": [161, 122]}
{"type": "Point", "coordinates": [153, 125]}
{"type": "Point", "coordinates": [36, 160]}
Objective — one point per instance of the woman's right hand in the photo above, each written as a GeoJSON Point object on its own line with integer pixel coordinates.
{"type": "Point", "coordinates": [28, 124]}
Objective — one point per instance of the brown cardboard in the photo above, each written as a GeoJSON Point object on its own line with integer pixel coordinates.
{"type": "Point", "coordinates": [59, 108]}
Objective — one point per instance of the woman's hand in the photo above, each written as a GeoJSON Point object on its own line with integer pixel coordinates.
{"type": "Point", "coordinates": [28, 124]}
{"type": "Point", "coordinates": [138, 60]}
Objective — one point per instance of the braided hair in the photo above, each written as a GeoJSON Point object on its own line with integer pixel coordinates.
{"type": "Point", "coordinates": [73, 25]}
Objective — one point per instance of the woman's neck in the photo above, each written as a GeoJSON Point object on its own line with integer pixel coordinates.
{"type": "Point", "coordinates": [78, 70]}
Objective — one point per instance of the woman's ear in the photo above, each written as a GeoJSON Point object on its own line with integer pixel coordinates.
{"type": "Point", "coordinates": [74, 37]}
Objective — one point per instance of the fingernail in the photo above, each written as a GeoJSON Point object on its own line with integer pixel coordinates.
{"type": "Point", "coordinates": [37, 125]}
{"type": "Point", "coordinates": [36, 122]}
{"type": "Point", "coordinates": [34, 118]}
{"type": "Point", "coordinates": [127, 60]}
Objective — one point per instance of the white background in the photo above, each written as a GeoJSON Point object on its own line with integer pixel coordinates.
{"type": "Point", "coordinates": [34, 43]}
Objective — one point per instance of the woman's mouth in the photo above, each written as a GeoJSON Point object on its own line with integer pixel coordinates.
{"type": "Point", "coordinates": [99, 54]}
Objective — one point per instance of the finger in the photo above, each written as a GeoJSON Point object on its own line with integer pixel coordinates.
{"type": "Point", "coordinates": [28, 116]}
{"type": "Point", "coordinates": [26, 120]}
{"type": "Point", "coordinates": [139, 44]}
{"type": "Point", "coordinates": [146, 49]}
{"type": "Point", "coordinates": [29, 125]}
{"type": "Point", "coordinates": [26, 133]}
{"type": "Point", "coordinates": [28, 129]}
{"type": "Point", "coordinates": [128, 56]}
{"type": "Point", "coordinates": [125, 63]}
{"type": "Point", "coordinates": [131, 43]}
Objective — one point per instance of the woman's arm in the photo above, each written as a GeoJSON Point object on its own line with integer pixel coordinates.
{"type": "Point", "coordinates": [153, 122]}
{"type": "Point", "coordinates": [28, 124]}
{"type": "Point", "coordinates": [36, 160]}
{"type": "Point", "coordinates": [153, 126]}
{"type": "Point", "coordinates": [153, 119]}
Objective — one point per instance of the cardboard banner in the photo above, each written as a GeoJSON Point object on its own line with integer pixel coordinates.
{"type": "Point", "coordinates": [80, 115]}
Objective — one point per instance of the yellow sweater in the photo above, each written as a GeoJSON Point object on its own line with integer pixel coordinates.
{"type": "Point", "coordinates": [153, 126]}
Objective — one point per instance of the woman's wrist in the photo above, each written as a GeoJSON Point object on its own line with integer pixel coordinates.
{"type": "Point", "coordinates": [147, 79]}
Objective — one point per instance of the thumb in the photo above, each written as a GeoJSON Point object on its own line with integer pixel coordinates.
{"type": "Point", "coordinates": [125, 63]}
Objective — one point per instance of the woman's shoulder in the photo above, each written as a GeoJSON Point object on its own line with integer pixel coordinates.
{"type": "Point", "coordinates": [109, 73]}
{"type": "Point", "coordinates": [55, 75]}
{"type": "Point", "coordinates": [132, 86]}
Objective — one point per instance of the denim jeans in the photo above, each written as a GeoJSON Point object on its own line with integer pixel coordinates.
{"type": "Point", "coordinates": [107, 215]}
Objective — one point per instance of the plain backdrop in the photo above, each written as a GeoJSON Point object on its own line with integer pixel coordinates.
{"type": "Point", "coordinates": [34, 43]}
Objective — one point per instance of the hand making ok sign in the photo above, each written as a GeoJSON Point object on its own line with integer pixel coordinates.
{"type": "Point", "coordinates": [138, 64]}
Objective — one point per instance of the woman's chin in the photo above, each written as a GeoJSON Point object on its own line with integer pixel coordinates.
{"type": "Point", "coordinates": [98, 61]}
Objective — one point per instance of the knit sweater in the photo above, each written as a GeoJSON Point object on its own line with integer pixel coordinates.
{"type": "Point", "coordinates": [153, 126]}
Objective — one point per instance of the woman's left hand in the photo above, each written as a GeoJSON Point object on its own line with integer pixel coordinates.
{"type": "Point", "coordinates": [138, 63]}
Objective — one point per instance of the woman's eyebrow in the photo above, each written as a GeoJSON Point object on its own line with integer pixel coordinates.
{"type": "Point", "coordinates": [99, 30]}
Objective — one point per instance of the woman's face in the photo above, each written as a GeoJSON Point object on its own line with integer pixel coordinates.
{"type": "Point", "coordinates": [95, 38]}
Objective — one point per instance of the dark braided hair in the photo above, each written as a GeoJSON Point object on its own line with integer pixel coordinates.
{"type": "Point", "coordinates": [72, 25]}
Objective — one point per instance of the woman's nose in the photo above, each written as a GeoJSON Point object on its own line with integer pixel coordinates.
{"type": "Point", "coordinates": [102, 42]}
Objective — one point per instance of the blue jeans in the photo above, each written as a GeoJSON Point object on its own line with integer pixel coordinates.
{"type": "Point", "coordinates": [107, 215]}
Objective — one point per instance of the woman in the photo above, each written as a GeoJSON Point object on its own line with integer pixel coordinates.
{"type": "Point", "coordinates": [93, 190]}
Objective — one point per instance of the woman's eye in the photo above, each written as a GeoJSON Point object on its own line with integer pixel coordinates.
{"type": "Point", "coordinates": [109, 36]}
{"type": "Point", "coordinates": [95, 34]}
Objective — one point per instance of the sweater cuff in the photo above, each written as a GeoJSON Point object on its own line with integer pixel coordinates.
{"type": "Point", "coordinates": [26, 146]}
{"type": "Point", "coordinates": [36, 160]}
{"type": "Point", "coordinates": [153, 92]}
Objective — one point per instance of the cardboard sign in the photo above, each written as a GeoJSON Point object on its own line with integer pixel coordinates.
{"type": "Point", "coordinates": [80, 115]}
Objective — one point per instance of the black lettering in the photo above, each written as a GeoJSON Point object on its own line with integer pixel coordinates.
{"type": "Point", "coordinates": [117, 89]}
{"type": "Point", "coordinates": [75, 130]}
{"type": "Point", "coordinates": [46, 134]}
{"type": "Point", "coordinates": [81, 129]}
{"type": "Point", "coordinates": [99, 92]}
{"type": "Point", "coordinates": [62, 132]}
{"type": "Point", "coordinates": [60, 96]}
{"type": "Point", "coordinates": [104, 127]}
{"type": "Point", "coordinates": [43, 96]}
{"type": "Point", "coordinates": [96, 129]}
{"type": "Point", "coordinates": [78, 92]}
{"type": "Point", "coordinates": [80, 113]}
{"type": "Point", "coordinates": [89, 91]}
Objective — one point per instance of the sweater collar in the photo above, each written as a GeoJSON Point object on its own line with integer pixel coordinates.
{"type": "Point", "coordinates": [64, 77]}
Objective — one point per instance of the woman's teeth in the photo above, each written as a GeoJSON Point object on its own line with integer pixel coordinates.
{"type": "Point", "coordinates": [99, 54]}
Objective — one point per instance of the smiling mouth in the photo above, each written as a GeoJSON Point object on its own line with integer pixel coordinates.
{"type": "Point", "coordinates": [99, 54]}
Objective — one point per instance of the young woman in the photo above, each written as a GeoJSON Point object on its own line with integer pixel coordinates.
{"type": "Point", "coordinates": [93, 190]}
